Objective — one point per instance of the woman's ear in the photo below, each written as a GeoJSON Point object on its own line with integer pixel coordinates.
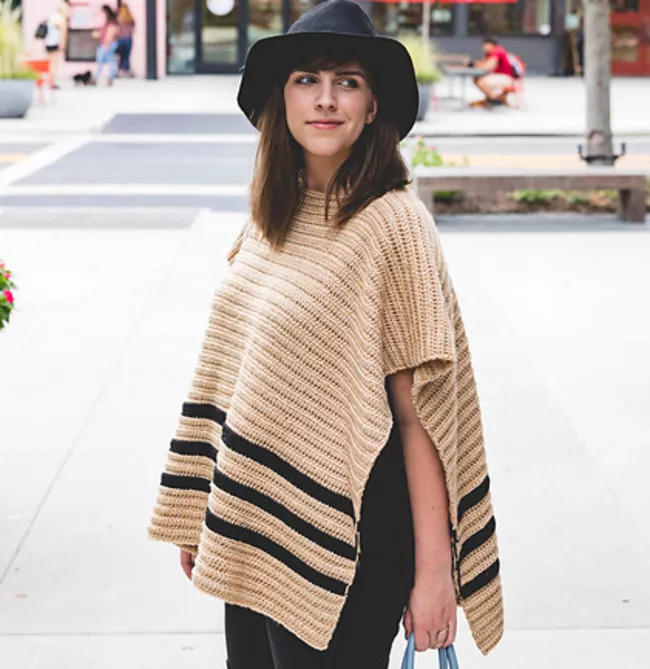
{"type": "Point", "coordinates": [372, 110]}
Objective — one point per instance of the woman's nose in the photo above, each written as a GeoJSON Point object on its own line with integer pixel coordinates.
{"type": "Point", "coordinates": [326, 98]}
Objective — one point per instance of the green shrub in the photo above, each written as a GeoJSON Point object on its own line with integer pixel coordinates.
{"type": "Point", "coordinates": [534, 195]}
{"type": "Point", "coordinates": [423, 55]}
{"type": "Point", "coordinates": [426, 156]}
{"type": "Point", "coordinates": [11, 43]}
{"type": "Point", "coordinates": [577, 199]}
{"type": "Point", "coordinates": [445, 195]}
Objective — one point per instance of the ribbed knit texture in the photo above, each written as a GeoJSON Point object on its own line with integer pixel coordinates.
{"type": "Point", "coordinates": [289, 392]}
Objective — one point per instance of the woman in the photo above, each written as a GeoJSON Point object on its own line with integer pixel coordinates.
{"type": "Point", "coordinates": [328, 475]}
{"type": "Point", "coordinates": [56, 38]}
{"type": "Point", "coordinates": [126, 23]}
{"type": "Point", "coordinates": [107, 47]}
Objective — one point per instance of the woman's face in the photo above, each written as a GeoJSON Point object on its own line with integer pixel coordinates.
{"type": "Point", "coordinates": [327, 110]}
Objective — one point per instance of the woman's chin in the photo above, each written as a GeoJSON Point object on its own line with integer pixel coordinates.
{"type": "Point", "coordinates": [326, 150]}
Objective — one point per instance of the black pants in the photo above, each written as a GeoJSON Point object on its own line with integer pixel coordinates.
{"type": "Point", "coordinates": [376, 600]}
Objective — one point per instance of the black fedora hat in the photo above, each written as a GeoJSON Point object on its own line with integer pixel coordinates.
{"type": "Point", "coordinates": [333, 28]}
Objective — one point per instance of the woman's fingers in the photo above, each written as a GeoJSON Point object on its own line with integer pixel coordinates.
{"type": "Point", "coordinates": [451, 635]}
{"type": "Point", "coordinates": [438, 638]}
{"type": "Point", "coordinates": [408, 623]}
{"type": "Point", "coordinates": [422, 639]}
{"type": "Point", "coordinates": [187, 562]}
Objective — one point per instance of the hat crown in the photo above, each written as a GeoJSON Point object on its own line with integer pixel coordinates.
{"type": "Point", "coordinates": [335, 16]}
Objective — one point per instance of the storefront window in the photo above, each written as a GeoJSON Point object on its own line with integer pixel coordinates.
{"type": "Point", "coordinates": [625, 44]}
{"type": "Point", "coordinates": [181, 53]}
{"type": "Point", "coordinates": [265, 19]}
{"type": "Point", "coordinates": [299, 7]}
{"type": "Point", "coordinates": [625, 6]}
{"type": "Point", "coordinates": [404, 18]}
{"type": "Point", "coordinates": [525, 17]}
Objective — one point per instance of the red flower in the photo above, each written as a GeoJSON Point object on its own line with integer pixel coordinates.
{"type": "Point", "coordinates": [9, 296]}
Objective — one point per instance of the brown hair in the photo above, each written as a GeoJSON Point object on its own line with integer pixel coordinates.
{"type": "Point", "coordinates": [124, 14]}
{"type": "Point", "coordinates": [374, 166]}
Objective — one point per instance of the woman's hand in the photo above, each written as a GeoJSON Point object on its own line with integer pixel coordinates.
{"type": "Point", "coordinates": [187, 562]}
{"type": "Point", "coordinates": [432, 608]}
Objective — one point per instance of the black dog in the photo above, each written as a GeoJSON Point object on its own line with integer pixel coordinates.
{"type": "Point", "coordinates": [83, 78]}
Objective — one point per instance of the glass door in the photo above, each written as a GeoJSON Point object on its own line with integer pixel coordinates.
{"type": "Point", "coordinates": [226, 29]}
{"type": "Point", "coordinates": [220, 35]}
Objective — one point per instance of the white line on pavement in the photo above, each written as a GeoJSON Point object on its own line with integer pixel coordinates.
{"type": "Point", "coordinates": [37, 161]}
{"type": "Point", "coordinates": [142, 138]}
{"type": "Point", "coordinates": [217, 138]}
{"type": "Point", "coordinates": [126, 189]}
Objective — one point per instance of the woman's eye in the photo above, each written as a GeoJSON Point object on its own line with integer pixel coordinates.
{"type": "Point", "coordinates": [305, 79]}
{"type": "Point", "coordinates": [349, 83]}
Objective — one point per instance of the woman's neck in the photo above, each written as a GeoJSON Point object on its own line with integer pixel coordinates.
{"type": "Point", "coordinates": [319, 170]}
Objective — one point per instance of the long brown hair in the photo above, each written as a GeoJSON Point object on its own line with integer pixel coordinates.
{"type": "Point", "coordinates": [374, 166]}
{"type": "Point", "coordinates": [124, 14]}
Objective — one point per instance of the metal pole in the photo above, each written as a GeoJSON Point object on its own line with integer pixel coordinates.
{"type": "Point", "coordinates": [152, 42]}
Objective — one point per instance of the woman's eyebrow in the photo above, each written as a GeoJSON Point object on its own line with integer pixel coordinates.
{"type": "Point", "coordinates": [348, 73]}
{"type": "Point", "coordinates": [338, 73]}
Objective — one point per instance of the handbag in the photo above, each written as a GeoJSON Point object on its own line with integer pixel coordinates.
{"type": "Point", "coordinates": [446, 656]}
{"type": "Point", "coordinates": [41, 31]}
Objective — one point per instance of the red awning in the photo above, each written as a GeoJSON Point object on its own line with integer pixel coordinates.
{"type": "Point", "coordinates": [457, 2]}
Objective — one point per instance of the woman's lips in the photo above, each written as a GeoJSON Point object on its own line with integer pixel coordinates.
{"type": "Point", "coordinates": [325, 125]}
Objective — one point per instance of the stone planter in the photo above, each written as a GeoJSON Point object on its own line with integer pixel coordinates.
{"type": "Point", "coordinates": [425, 91]}
{"type": "Point", "coordinates": [15, 97]}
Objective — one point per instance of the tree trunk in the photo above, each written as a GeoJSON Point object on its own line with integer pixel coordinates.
{"type": "Point", "coordinates": [597, 65]}
{"type": "Point", "coordinates": [426, 20]}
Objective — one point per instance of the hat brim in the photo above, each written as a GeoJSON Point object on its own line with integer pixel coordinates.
{"type": "Point", "coordinates": [394, 78]}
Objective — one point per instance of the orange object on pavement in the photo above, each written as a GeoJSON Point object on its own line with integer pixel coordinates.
{"type": "Point", "coordinates": [42, 68]}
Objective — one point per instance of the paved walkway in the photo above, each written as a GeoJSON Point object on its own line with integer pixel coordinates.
{"type": "Point", "coordinates": [553, 106]}
{"type": "Point", "coordinates": [100, 353]}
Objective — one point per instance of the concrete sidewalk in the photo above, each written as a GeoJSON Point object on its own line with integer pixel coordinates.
{"type": "Point", "coordinates": [553, 106]}
{"type": "Point", "coordinates": [97, 361]}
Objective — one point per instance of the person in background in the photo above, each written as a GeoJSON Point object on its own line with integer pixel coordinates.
{"type": "Point", "coordinates": [107, 48]}
{"type": "Point", "coordinates": [500, 77]}
{"type": "Point", "coordinates": [126, 25]}
{"type": "Point", "coordinates": [56, 38]}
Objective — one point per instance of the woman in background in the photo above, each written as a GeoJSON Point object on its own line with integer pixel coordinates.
{"type": "Point", "coordinates": [126, 25]}
{"type": "Point", "coordinates": [56, 38]}
{"type": "Point", "coordinates": [107, 48]}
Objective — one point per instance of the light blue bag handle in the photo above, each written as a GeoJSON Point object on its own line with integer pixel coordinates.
{"type": "Point", "coordinates": [446, 656]}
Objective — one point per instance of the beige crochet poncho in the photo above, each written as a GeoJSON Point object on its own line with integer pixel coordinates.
{"type": "Point", "coordinates": [287, 413]}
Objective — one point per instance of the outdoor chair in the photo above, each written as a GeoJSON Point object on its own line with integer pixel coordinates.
{"type": "Point", "coordinates": [517, 89]}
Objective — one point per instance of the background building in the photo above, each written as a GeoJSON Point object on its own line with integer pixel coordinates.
{"type": "Point", "coordinates": [204, 36]}
{"type": "Point", "coordinates": [86, 15]}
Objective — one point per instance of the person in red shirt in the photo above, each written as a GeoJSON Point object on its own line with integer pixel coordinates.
{"type": "Point", "coordinates": [495, 84]}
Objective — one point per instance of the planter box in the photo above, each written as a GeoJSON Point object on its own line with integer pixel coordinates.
{"type": "Point", "coordinates": [425, 91]}
{"type": "Point", "coordinates": [15, 97]}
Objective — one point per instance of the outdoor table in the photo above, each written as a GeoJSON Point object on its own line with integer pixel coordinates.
{"type": "Point", "coordinates": [462, 73]}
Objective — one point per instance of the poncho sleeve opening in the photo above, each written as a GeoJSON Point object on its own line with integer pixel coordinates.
{"type": "Point", "coordinates": [418, 334]}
